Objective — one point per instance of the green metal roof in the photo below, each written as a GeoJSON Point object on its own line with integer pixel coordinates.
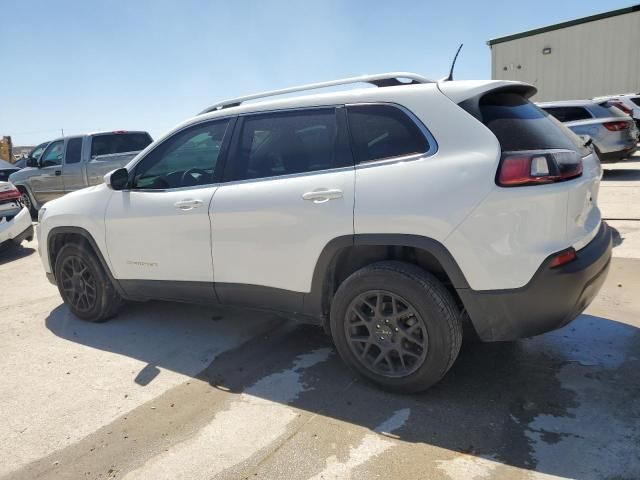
{"type": "Point", "coordinates": [570, 23]}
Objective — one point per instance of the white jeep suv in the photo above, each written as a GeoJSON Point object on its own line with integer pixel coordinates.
{"type": "Point", "coordinates": [388, 215]}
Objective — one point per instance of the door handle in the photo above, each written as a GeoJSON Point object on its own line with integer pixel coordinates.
{"type": "Point", "coordinates": [322, 195]}
{"type": "Point", "coordinates": [189, 204]}
{"type": "Point", "coordinates": [58, 173]}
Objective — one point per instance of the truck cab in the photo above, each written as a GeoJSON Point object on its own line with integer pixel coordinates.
{"type": "Point", "coordinates": [75, 162]}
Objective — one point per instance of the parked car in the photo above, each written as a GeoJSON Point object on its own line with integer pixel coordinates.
{"type": "Point", "coordinates": [71, 163]}
{"type": "Point", "coordinates": [31, 160]}
{"type": "Point", "coordinates": [387, 215]}
{"type": "Point", "coordinates": [6, 169]}
{"type": "Point", "coordinates": [629, 103]}
{"type": "Point", "coordinates": [614, 134]}
{"type": "Point", "coordinates": [15, 221]}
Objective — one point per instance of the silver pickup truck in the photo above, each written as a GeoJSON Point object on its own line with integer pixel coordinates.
{"type": "Point", "coordinates": [76, 162]}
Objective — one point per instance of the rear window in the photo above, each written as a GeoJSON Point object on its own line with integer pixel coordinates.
{"type": "Point", "coordinates": [636, 100]}
{"type": "Point", "coordinates": [119, 143]}
{"type": "Point", "coordinates": [568, 114]}
{"type": "Point", "coordinates": [520, 125]}
{"type": "Point", "coordinates": [383, 131]}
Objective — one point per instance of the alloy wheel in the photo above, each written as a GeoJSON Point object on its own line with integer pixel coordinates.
{"type": "Point", "coordinates": [78, 283]}
{"type": "Point", "coordinates": [386, 333]}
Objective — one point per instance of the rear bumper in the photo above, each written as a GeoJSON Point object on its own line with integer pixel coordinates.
{"type": "Point", "coordinates": [17, 229]}
{"type": "Point", "coordinates": [552, 298]}
{"type": "Point", "coordinates": [618, 155]}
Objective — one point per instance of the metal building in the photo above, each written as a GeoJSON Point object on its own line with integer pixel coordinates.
{"type": "Point", "coordinates": [582, 58]}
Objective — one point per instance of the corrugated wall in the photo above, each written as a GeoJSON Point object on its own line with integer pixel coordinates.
{"type": "Point", "coordinates": [586, 60]}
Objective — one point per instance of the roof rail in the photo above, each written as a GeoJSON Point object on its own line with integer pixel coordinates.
{"type": "Point", "coordinates": [379, 80]}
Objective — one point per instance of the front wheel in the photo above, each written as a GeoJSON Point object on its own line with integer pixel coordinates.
{"type": "Point", "coordinates": [396, 325]}
{"type": "Point", "coordinates": [26, 201]}
{"type": "Point", "coordinates": [84, 285]}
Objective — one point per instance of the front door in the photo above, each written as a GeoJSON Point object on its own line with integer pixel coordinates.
{"type": "Point", "coordinates": [47, 184]}
{"type": "Point", "coordinates": [158, 231]}
{"type": "Point", "coordinates": [288, 190]}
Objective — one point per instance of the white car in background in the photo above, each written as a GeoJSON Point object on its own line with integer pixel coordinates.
{"type": "Point", "coordinates": [15, 220]}
{"type": "Point", "coordinates": [629, 103]}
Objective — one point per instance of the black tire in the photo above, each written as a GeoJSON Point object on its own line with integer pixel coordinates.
{"type": "Point", "coordinates": [428, 330]}
{"type": "Point", "coordinates": [27, 202]}
{"type": "Point", "coordinates": [84, 285]}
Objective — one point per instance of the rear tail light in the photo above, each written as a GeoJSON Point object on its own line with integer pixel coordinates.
{"type": "Point", "coordinates": [617, 126]}
{"type": "Point", "coordinates": [12, 194]}
{"type": "Point", "coordinates": [535, 167]}
{"type": "Point", "coordinates": [562, 258]}
{"type": "Point", "coordinates": [623, 107]}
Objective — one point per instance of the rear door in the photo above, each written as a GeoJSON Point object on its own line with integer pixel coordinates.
{"type": "Point", "coordinates": [288, 191]}
{"type": "Point", "coordinates": [72, 170]}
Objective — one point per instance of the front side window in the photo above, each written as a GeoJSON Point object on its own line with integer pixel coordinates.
{"type": "Point", "coordinates": [283, 143]}
{"type": "Point", "coordinates": [383, 131]}
{"type": "Point", "coordinates": [74, 148]}
{"type": "Point", "coordinates": [186, 159]}
{"type": "Point", "coordinates": [52, 156]}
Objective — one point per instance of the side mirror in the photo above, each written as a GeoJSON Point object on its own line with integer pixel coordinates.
{"type": "Point", "coordinates": [117, 179]}
{"type": "Point", "coordinates": [32, 162]}
{"type": "Point", "coordinates": [587, 140]}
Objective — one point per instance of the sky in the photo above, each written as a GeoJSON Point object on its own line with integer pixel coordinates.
{"type": "Point", "coordinates": [95, 65]}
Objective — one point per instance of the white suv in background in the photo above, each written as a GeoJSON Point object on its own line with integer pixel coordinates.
{"type": "Point", "coordinates": [388, 215]}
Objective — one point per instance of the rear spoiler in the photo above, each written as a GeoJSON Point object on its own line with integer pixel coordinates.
{"type": "Point", "coordinates": [467, 94]}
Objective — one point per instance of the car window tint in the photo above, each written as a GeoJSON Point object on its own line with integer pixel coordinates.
{"type": "Point", "coordinates": [569, 114]}
{"type": "Point", "coordinates": [53, 154]}
{"type": "Point", "coordinates": [284, 143]}
{"type": "Point", "coordinates": [518, 124]}
{"type": "Point", "coordinates": [636, 100]}
{"type": "Point", "coordinates": [74, 148]}
{"type": "Point", "coordinates": [383, 131]}
{"type": "Point", "coordinates": [111, 143]}
{"type": "Point", "coordinates": [186, 159]}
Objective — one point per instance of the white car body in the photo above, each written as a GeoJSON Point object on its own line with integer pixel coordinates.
{"type": "Point", "coordinates": [264, 235]}
{"type": "Point", "coordinates": [15, 220]}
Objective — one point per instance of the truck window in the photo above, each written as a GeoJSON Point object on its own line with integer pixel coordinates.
{"type": "Point", "coordinates": [74, 148]}
{"type": "Point", "coordinates": [111, 143]}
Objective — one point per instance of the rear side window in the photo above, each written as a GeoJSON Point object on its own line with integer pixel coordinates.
{"type": "Point", "coordinates": [636, 100]}
{"type": "Point", "coordinates": [284, 143]}
{"type": "Point", "coordinates": [74, 148]}
{"type": "Point", "coordinates": [383, 131]}
{"type": "Point", "coordinates": [568, 114]}
{"type": "Point", "coordinates": [519, 125]}
{"type": "Point", "coordinates": [119, 143]}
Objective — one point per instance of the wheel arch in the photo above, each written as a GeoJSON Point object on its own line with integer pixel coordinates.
{"type": "Point", "coordinates": [60, 236]}
{"type": "Point", "coordinates": [344, 255]}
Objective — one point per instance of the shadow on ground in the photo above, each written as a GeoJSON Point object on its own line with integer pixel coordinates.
{"type": "Point", "coordinates": [565, 403]}
{"type": "Point", "coordinates": [11, 252]}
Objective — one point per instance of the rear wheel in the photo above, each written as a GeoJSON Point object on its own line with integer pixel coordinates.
{"type": "Point", "coordinates": [84, 285]}
{"type": "Point", "coordinates": [396, 325]}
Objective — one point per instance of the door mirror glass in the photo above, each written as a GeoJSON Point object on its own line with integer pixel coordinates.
{"type": "Point", "coordinates": [117, 179]}
{"type": "Point", "coordinates": [32, 162]}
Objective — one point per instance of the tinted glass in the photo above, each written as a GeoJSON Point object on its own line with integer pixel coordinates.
{"type": "Point", "coordinates": [119, 143]}
{"type": "Point", "coordinates": [53, 154]}
{"type": "Point", "coordinates": [186, 159]}
{"type": "Point", "coordinates": [520, 125]}
{"type": "Point", "coordinates": [74, 147]}
{"type": "Point", "coordinates": [568, 114]}
{"type": "Point", "coordinates": [284, 143]}
{"type": "Point", "coordinates": [383, 131]}
{"type": "Point", "coordinates": [636, 100]}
